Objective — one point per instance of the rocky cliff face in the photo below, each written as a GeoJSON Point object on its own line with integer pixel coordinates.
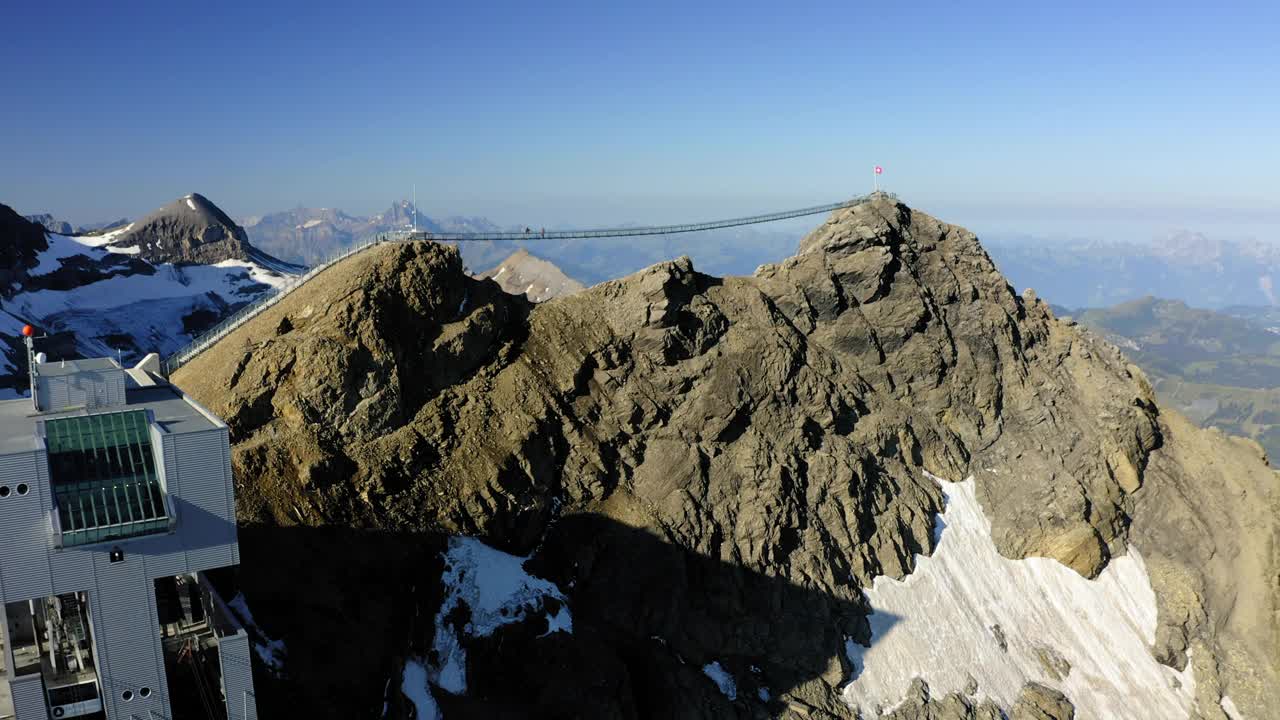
{"type": "Point", "coordinates": [24, 241]}
{"type": "Point", "coordinates": [709, 470]}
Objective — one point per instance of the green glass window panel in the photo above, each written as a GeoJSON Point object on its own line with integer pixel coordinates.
{"type": "Point", "coordinates": [104, 478]}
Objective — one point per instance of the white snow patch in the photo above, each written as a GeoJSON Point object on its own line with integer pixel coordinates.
{"type": "Point", "coordinates": [60, 248]}
{"type": "Point", "coordinates": [191, 203]}
{"type": "Point", "coordinates": [66, 246]}
{"type": "Point", "coordinates": [560, 622]}
{"type": "Point", "coordinates": [311, 223]}
{"type": "Point", "coordinates": [722, 679]}
{"type": "Point", "coordinates": [169, 281]}
{"type": "Point", "coordinates": [271, 652]}
{"type": "Point", "coordinates": [257, 273]}
{"type": "Point", "coordinates": [117, 304]}
{"type": "Point", "coordinates": [500, 271]}
{"type": "Point", "coordinates": [937, 624]}
{"type": "Point", "coordinates": [497, 591]}
{"type": "Point", "coordinates": [104, 239]}
{"type": "Point", "coordinates": [1230, 708]}
{"type": "Point", "coordinates": [414, 686]}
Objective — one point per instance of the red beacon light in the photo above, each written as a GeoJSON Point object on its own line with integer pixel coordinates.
{"type": "Point", "coordinates": [28, 331]}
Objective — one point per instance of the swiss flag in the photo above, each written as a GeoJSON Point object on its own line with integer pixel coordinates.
{"type": "Point", "coordinates": [879, 170]}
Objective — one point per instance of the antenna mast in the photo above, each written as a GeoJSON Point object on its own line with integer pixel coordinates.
{"type": "Point", "coordinates": [28, 338]}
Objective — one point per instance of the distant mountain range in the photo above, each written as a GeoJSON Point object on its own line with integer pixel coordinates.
{"type": "Point", "coordinates": [63, 227]}
{"type": "Point", "coordinates": [1186, 266]}
{"type": "Point", "coordinates": [311, 235]}
{"type": "Point", "coordinates": [147, 286]}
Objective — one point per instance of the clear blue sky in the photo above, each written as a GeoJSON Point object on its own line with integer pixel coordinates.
{"type": "Point", "coordinates": [1032, 115]}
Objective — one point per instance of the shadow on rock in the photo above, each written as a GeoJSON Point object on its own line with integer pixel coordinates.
{"type": "Point", "coordinates": [648, 616]}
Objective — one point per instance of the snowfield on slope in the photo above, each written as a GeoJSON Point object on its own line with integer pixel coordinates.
{"type": "Point", "coordinates": [148, 309]}
{"type": "Point", "coordinates": [968, 610]}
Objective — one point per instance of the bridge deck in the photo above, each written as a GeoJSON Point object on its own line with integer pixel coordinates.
{"type": "Point", "coordinates": [540, 234]}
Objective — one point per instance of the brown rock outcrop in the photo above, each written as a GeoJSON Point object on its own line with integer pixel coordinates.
{"type": "Point", "coordinates": [711, 469]}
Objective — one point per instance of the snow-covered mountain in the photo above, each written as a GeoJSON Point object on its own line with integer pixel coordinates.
{"type": "Point", "coordinates": [189, 230]}
{"type": "Point", "coordinates": [149, 286]}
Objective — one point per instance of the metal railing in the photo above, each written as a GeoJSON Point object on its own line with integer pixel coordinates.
{"type": "Point", "coordinates": [246, 313]}
{"type": "Point", "coordinates": [230, 323]}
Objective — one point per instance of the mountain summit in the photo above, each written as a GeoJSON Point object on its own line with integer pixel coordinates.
{"type": "Point", "coordinates": [523, 273]}
{"type": "Point", "coordinates": [190, 229]}
{"type": "Point", "coordinates": [736, 497]}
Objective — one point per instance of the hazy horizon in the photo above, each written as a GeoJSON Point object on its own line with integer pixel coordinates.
{"type": "Point", "coordinates": [1088, 120]}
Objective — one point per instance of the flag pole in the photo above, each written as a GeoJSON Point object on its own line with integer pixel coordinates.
{"type": "Point", "coordinates": [876, 177]}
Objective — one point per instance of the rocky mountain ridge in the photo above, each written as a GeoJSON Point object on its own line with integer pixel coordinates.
{"type": "Point", "coordinates": [709, 470]}
{"type": "Point", "coordinates": [51, 223]}
{"type": "Point", "coordinates": [188, 230]}
{"type": "Point", "coordinates": [62, 227]}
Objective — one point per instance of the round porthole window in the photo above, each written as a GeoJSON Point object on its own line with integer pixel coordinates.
{"type": "Point", "coordinates": [127, 695]}
{"type": "Point", "coordinates": [144, 692]}
{"type": "Point", "coordinates": [4, 491]}
{"type": "Point", "coordinates": [23, 489]}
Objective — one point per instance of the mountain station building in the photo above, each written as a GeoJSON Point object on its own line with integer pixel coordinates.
{"type": "Point", "coordinates": [116, 504]}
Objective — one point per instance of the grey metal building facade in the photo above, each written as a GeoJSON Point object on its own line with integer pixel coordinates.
{"type": "Point", "coordinates": [115, 491]}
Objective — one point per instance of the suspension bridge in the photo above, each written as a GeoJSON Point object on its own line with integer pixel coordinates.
{"type": "Point", "coordinates": [252, 310]}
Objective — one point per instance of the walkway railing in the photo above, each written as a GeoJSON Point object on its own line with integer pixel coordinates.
{"type": "Point", "coordinates": [253, 309]}
{"type": "Point", "coordinates": [532, 234]}
{"type": "Point", "coordinates": [233, 321]}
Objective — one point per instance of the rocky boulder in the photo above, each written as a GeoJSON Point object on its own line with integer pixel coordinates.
{"type": "Point", "coordinates": [1038, 702]}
